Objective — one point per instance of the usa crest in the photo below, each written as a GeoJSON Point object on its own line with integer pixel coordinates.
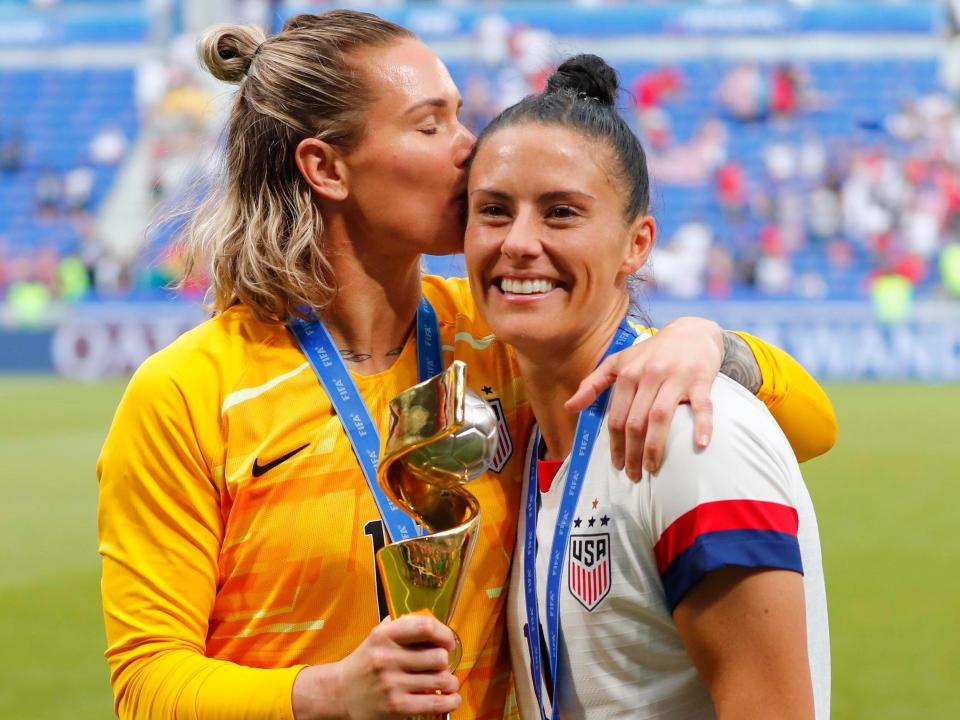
{"type": "Point", "coordinates": [504, 441]}
{"type": "Point", "coordinates": [589, 570]}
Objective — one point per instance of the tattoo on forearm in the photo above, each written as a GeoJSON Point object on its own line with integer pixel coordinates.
{"type": "Point", "coordinates": [739, 364]}
{"type": "Point", "coordinates": [357, 357]}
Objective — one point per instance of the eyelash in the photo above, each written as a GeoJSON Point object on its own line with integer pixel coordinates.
{"type": "Point", "coordinates": [568, 212]}
{"type": "Point", "coordinates": [429, 131]}
{"type": "Point", "coordinates": [561, 212]}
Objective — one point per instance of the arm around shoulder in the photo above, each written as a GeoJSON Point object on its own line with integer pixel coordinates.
{"type": "Point", "coordinates": [796, 401]}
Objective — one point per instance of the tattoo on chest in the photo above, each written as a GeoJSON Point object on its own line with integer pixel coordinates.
{"type": "Point", "coordinates": [356, 357]}
{"type": "Point", "coordinates": [351, 356]}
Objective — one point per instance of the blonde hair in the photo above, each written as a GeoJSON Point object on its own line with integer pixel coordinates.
{"type": "Point", "coordinates": [258, 232]}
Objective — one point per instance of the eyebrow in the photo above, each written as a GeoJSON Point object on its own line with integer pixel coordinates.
{"type": "Point", "coordinates": [435, 102]}
{"type": "Point", "coordinates": [546, 197]}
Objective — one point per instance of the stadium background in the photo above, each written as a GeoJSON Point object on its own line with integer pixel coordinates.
{"type": "Point", "coordinates": [806, 166]}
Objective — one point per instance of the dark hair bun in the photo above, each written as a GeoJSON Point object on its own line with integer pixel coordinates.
{"type": "Point", "coordinates": [588, 76]}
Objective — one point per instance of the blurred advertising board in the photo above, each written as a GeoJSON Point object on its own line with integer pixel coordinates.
{"type": "Point", "coordinates": [89, 342]}
{"type": "Point", "coordinates": [835, 341]}
{"type": "Point", "coordinates": [844, 340]}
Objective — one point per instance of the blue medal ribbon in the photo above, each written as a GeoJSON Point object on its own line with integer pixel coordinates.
{"type": "Point", "coordinates": [588, 425]}
{"type": "Point", "coordinates": [429, 356]}
{"type": "Point", "coordinates": [322, 353]}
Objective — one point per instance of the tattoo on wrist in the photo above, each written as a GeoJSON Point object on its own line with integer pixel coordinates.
{"type": "Point", "coordinates": [739, 364]}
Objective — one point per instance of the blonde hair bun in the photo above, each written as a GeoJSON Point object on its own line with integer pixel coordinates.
{"type": "Point", "coordinates": [227, 50]}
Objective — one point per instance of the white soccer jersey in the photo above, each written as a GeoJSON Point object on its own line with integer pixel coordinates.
{"type": "Point", "coordinates": [636, 549]}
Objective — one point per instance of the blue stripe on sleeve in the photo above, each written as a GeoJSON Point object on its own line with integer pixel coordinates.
{"type": "Point", "coordinates": [715, 550]}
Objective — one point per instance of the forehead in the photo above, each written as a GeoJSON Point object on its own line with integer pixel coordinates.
{"type": "Point", "coordinates": [404, 72]}
{"type": "Point", "coordinates": [532, 155]}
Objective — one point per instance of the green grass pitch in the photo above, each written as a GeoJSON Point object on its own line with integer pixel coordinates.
{"type": "Point", "coordinates": [887, 499]}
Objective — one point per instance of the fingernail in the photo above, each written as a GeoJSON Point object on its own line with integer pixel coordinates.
{"type": "Point", "coordinates": [703, 440]}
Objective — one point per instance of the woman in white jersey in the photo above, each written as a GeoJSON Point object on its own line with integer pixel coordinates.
{"type": "Point", "coordinates": [699, 591]}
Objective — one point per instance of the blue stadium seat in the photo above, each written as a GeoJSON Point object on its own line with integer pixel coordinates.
{"type": "Point", "coordinates": [56, 114]}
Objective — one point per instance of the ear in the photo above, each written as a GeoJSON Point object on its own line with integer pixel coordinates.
{"type": "Point", "coordinates": [642, 234]}
{"type": "Point", "coordinates": [323, 168]}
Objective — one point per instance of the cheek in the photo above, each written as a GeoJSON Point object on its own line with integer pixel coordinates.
{"type": "Point", "coordinates": [427, 169]}
{"type": "Point", "coordinates": [481, 250]}
{"type": "Point", "coordinates": [472, 248]}
{"type": "Point", "coordinates": [597, 264]}
{"type": "Point", "coordinates": [403, 172]}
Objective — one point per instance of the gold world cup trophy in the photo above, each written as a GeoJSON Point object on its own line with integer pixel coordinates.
{"type": "Point", "coordinates": [441, 436]}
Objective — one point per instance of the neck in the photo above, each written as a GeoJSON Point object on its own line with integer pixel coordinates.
{"type": "Point", "coordinates": [374, 310]}
{"type": "Point", "coordinates": [549, 383]}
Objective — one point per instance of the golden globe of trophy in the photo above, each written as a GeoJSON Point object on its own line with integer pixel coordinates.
{"type": "Point", "coordinates": [441, 435]}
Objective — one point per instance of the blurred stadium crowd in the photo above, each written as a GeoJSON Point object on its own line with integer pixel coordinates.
{"type": "Point", "coordinates": [804, 179]}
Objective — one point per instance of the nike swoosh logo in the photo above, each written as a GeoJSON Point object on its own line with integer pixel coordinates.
{"type": "Point", "coordinates": [259, 469]}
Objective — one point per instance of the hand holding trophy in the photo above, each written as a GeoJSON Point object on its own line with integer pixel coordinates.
{"type": "Point", "coordinates": [441, 436]}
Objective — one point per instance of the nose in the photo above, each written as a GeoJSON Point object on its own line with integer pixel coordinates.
{"type": "Point", "coordinates": [464, 146]}
{"type": "Point", "coordinates": [522, 240]}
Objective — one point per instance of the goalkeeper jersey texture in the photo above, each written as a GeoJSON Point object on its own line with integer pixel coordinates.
{"type": "Point", "coordinates": [236, 522]}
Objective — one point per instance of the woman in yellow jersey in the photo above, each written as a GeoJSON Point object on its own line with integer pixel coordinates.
{"type": "Point", "coordinates": [237, 526]}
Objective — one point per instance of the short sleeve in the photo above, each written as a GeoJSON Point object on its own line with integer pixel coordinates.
{"type": "Point", "coordinates": [731, 504]}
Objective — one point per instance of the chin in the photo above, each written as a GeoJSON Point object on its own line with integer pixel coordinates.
{"type": "Point", "coordinates": [447, 242]}
{"type": "Point", "coordinates": [523, 335]}
{"type": "Point", "coordinates": [450, 247]}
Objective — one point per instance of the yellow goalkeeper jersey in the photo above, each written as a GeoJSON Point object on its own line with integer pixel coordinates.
{"type": "Point", "coordinates": [238, 533]}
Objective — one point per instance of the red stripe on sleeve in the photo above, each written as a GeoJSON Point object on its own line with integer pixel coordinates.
{"type": "Point", "coordinates": [722, 515]}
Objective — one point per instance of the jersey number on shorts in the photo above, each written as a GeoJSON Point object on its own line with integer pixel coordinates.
{"type": "Point", "coordinates": [374, 529]}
